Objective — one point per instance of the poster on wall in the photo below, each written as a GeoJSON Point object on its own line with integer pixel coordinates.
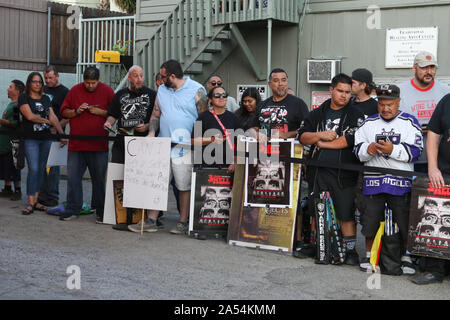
{"type": "Point", "coordinates": [269, 181]}
{"type": "Point", "coordinates": [402, 45]}
{"type": "Point", "coordinates": [269, 228]}
{"type": "Point", "coordinates": [429, 219]}
{"type": "Point", "coordinates": [319, 97]}
{"type": "Point", "coordinates": [210, 202]}
{"type": "Point", "coordinates": [262, 89]}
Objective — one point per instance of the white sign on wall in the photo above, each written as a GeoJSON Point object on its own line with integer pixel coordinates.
{"type": "Point", "coordinates": [262, 89]}
{"type": "Point", "coordinates": [402, 45]}
{"type": "Point", "coordinates": [146, 175]}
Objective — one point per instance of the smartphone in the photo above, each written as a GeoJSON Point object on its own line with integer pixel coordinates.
{"type": "Point", "coordinates": [94, 105]}
{"type": "Point", "coordinates": [383, 138]}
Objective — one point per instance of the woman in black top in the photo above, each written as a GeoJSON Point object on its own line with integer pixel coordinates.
{"type": "Point", "coordinates": [37, 118]}
{"type": "Point", "coordinates": [249, 100]}
{"type": "Point", "coordinates": [218, 126]}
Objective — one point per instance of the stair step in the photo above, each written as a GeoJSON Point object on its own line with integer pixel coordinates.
{"type": "Point", "coordinates": [204, 58]}
{"type": "Point", "coordinates": [224, 35]}
{"type": "Point", "coordinates": [195, 68]}
{"type": "Point", "coordinates": [215, 46]}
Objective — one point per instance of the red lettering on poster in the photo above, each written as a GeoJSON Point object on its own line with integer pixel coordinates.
{"type": "Point", "coordinates": [269, 149]}
{"type": "Point", "coordinates": [444, 191]}
{"type": "Point", "coordinates": [218, 180]}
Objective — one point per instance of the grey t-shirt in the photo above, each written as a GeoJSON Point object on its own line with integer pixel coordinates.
{"type": "Point", "coordinates": [421, 103]}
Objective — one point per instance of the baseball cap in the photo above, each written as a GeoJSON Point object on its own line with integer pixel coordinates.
{"type": "Point", "coordinates": [362, 75]}
{"type": "Point", "coordinates": [425, 58]}
{"type": "Point", "coordinates": [388, 91]}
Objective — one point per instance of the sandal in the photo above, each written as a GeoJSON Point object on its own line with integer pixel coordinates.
{"type": "Point", "coordinates": [40, 208]}
{"type": "Point", "coordinates": [28, 210]}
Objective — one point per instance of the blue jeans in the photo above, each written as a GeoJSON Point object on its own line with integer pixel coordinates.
{"type": "Point", "coordinates": [36, 154]}
{"type": "Point", "coordinates": [49, 194]}
{"type": "Point", "coordinates": [77, 162]}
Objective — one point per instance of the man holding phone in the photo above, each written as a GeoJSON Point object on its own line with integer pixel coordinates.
{"type": "Point", "coordinates": [389, 139]}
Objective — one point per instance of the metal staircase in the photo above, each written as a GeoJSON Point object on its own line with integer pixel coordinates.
{"type": "Point", "coordinates": [201, 34]}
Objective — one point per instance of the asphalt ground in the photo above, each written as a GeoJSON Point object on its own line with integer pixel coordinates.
{"type": "Point", "coordinates": [39, 253]}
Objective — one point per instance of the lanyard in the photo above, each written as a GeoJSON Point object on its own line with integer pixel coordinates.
{"type": "Point", "coordinates": [223, 129]}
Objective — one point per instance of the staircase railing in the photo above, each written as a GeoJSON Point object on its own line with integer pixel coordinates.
{"type": "Point", "coordinates": [192, 21]}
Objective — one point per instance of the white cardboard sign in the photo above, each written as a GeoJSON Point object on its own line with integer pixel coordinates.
{"type": "Point", "coordinates": [146, 175]}
{"type": "Point", "coordinates": [57, 155]}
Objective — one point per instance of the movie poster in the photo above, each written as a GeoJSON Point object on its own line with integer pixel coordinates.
{"type": "Point", "coordinates": [269, 181]}
{"type": "Point", "coordinates": [210, 202]}
{"type": "Point", "coordinates": [429, 220]}
{"type": "Point", "coordinates": [271, 227]}
{"type": "Point", "coordinates": [121, 211]}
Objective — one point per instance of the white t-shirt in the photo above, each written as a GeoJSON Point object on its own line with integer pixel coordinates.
{"type": "Point", "coordinates": [421, 102]}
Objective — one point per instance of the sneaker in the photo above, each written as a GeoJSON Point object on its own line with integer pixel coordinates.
{"type": "Point", "coordinates": [365, 265]}
{"type": "Point", "coordinates": [68, 216]}
{"type": "Point", "coordinates": [425, 278]}
{"type": "Point", "coordinates": [182, 227]}
{"type": "Point", "coordinates": [407, 265]}
{"type": "Point", "coordinates": [306, 251]}
{"type": "Point", "coordinates": [159, 224]}
{"type": "Point", "coordinates": [352, 258]}
{"type": "Point", "coordinates": [99, 220]}
{"type": "Point", "coordinates": [149, 226]}
{"type": "Point", "coordinates": [16, 196]}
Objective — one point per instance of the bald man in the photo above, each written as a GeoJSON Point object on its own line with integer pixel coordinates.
{"type": "Point", "coordinates": [132, 107]}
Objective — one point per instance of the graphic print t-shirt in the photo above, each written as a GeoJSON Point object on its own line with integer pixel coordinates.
{"type": "Point", "coordinates": [41, 108]}
{"type": "Point", "coordinates": [285, 115]}
{"type": "Point", "coordinates": [333, 119]}
{"type": "Point", "coordinates": [57, 96]}
{"type": "Point", "coordinates": [132, 109]}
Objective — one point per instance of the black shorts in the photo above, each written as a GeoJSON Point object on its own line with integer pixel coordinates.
{"type": "Point", "coordinates": [343, 198]}
{"type": "Point", "coordinates": [373, 213]}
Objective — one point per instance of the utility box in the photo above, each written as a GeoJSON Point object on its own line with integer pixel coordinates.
{"type": "Point", "coordinates": [322, 71]}
{"type": "Point", "coordinates": [107, 56]}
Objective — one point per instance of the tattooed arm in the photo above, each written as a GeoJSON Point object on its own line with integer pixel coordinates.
{"type": "Point", "coordinates": [154, 120]}
{"type": "Point", "coordinates": [201, 101]}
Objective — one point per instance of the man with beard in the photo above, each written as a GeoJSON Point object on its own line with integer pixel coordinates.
{"type": "Point", "coordinates": [281, 113]}
{"type": "Point", "coordinates": [86, 106]}
{"type": "Point", "coordinates": [420, 95]}
{"type": "Point", "coordinates": [178, 103]}
{"type": "Point", "coordinates": [132, 106]}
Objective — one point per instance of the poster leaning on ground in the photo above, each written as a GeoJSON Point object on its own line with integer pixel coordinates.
{"type": "Point", "coordinates": [429, 220]}
{"type": "Point", "coordinates": [270, 227]}
{"type": "Point", "coordinates": [210, 202]}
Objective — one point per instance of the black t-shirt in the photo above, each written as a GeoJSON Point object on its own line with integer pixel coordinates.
{"type": "Point", "coordinates": [285, 115]}
{"type": "Point", "coordinates": [57, 96]}
{"type": "Point", "coordinates": [209, 123]}
{"type": "Point", "coordinates": [39, 107]}
{"type": "Point", "coordinates": [246, 119]}
{"type": "Point", "coordinates": [440, 124]}
{"type": "Point", "coordinates": [132, 109]}
{"type": "Point", "coordinates": [368, 107]}
{"type": "Point", "coordinates": [333, 119]}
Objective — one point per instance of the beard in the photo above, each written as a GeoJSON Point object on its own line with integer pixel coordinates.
{"type": "Point", "coordinates": [424, 82]}
{"type": "Point", "coordinates": [137, 90]}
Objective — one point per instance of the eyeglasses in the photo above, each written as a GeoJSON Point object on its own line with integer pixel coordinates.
{"type": "Point", "coordinates": [218, 95]}
{"type": "Point", "coordinates": [36, 81]}
{"type": "Point", "coordinates": [214, 83]}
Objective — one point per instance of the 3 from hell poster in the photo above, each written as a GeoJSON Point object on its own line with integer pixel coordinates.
{"type": "Point", "coordinates": [210, 201]}
{"type": "Point", "coordinates": [429, 220]}
{"type": "Point", "coordinates": [269, 181]}
{"type": "Point", "coordinates": [271, 227]}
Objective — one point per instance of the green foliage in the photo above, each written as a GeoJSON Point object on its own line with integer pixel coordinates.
{"type": "Point", "coordinates": [121, 47]}
{"type": "Point", "coordinates": [128, 5]}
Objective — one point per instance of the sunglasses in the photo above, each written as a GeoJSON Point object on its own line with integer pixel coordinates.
{"type": "Point", "coordinates": [214, 83]}
{"type": "Point", "coordinates": [36, 81]}
{"type": "Point", "coordinates": [218, 95]}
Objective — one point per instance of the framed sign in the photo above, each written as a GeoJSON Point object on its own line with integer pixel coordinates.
{"type": "Point", "coordinates": [269, 228]}
{"type": "Point", "coordinates": [429, 220]}
{"type": "Point", "coordinates": [269, 181]}
{"type": "Point", "coordinates": [402, 45]}
{"type": "Point", "coordinates": [210, 202]}
{"type": "Point", "coordinates": [319, 97]}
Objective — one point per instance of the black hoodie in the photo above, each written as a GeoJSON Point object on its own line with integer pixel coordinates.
{"type": "Point", "coordinates": [350, 120]}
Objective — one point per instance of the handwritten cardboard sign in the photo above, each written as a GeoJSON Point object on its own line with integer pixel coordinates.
{"type": "Point", "coordinates": [146, 175]}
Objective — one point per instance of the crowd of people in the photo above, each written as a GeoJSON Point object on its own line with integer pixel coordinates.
{"type": "Point", "coordinates": [381, 126]}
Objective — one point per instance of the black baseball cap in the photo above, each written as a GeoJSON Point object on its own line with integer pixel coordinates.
{"type": "Point", "coordinates": [363, 75]}
{"type": "Point", "coordinates": [388, 91]}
